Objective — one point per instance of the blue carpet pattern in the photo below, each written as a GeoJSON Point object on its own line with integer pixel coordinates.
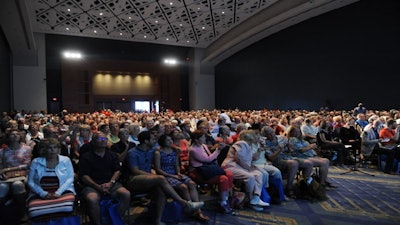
{"type": "Point", "coordinates": [360, 199]}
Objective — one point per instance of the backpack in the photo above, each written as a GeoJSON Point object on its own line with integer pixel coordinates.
{"type": "Point", "coordinates": [310, 189]}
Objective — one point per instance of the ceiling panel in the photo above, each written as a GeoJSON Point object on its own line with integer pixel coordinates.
{"type": "Point", "coordinates": [193, 23]}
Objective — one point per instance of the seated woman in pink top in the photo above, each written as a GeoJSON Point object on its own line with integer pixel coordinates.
{"type": "Point", "coordinates": [199, 154]}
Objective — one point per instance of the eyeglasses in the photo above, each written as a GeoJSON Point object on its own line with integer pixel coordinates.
{"type": "Point", "coordinates": [102, 138]}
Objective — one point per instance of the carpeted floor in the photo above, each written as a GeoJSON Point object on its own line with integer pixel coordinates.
{"type": "Point", "coordinates": [359, 199]}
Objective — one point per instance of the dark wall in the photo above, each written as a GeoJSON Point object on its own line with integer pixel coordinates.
{"type": "Point", "coordinates": [335, 60]}
{"type": "Point", "coordinates": [5, 74]}
{"type": "Point", "coordinates": [103, 49]}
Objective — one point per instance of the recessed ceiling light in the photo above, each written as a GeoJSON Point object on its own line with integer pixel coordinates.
{"type": "Point", "coordinates": [120, 33]}
{"type": "Point", "coordinates": [171, 3]}
{"type": "Point", "coordinates": [129, 17]}
{"type": "Point", "coordinates": [95, 31]}
{"type": "Point", "coordinates": [67, 28]}
{"type": "Point", "coordinates": [167, 39]}
{"type": "Point", "coordinates": [156, 21]}
{"type": "Point", "coordinates": [223, 12]}
{"type": "Point", "coordinates": [145, 36]}
{"type": "Point", "coordinates": [101, 14]}
{"type": "Point", "coordinates": [203, 28]}
{"type": "Point", "coordinates": [69, 10]}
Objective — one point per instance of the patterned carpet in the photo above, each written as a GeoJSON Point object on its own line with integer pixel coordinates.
{"type": "Point", "coordinates": [359, 199]}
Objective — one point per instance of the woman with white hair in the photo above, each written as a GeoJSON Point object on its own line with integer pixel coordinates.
{"type": "Point", "coordinates": [239, 161]}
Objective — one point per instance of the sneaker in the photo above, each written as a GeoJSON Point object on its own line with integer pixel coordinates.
{"type": "Point", "coordinates": [257, 208]}
{"type": "Point", "coordinates": [227, 209]}
{"type": "Point", "coordinates": [258, 202]}
{"type": "Point", "coordinates": [195, 205]}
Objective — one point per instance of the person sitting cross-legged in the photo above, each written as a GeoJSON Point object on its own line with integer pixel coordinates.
{"type": "Point", "coordinates": [166, 163]}
{"type": "Point", "coordinates": [139, 161]}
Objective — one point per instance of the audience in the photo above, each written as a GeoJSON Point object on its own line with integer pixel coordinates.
{"type": "Point", "coordinates": [100, 169]}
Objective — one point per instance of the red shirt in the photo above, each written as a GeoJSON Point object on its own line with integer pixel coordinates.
{"type": "Point", "coordinates": [387, 133]}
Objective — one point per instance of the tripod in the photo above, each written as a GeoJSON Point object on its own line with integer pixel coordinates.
{"type": "Point", "coordinates": [355, 168]}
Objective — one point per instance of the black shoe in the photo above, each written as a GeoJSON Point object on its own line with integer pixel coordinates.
{"type": "Point", "coordinates": [290, 194]}
{"type": "Point", "coordinates": [390, 172]}
{"type": "Point", "coordinates": [328, 184]}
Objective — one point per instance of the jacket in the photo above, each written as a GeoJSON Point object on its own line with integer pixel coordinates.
{"type": "Point", "coordinates": [64, 171]}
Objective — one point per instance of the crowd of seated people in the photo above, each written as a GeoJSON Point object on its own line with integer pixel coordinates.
{"type": "Point", "coordinates": [119, 153]}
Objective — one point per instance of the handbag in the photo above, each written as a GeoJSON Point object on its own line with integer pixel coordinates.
{"type": "Point", "coordinates": [15, 175]}
{"type": "Point", "coordinates": [70, 220]}
{"type": "Point", "coordinates": [39, 209]}
{"type": "Point", "coordinates": [210, 170]}
{"type": "Point", "coordinates": [109, 212]}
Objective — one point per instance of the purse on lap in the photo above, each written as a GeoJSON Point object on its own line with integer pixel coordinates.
{"type": "Point", "coordinates": [42, 209]}
{"type": "Point", "coordinates": [211, 169]}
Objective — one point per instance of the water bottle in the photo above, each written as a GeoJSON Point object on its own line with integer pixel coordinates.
{"type": "Point", "coordinates": [309, 180]}
{"type": "Point", "coordinates": [334, 156]}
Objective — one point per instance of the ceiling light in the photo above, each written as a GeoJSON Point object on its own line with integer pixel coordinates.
{"type": "Point", "coordinates": [67, 28]}
{"type": "Point", "coordinates": [72, 55]}
{"type": "Point", "coordinates": [69, 10]}
{"type": "Point", "coordinates": [101, 14]}
{"type": "Point", "coordinates": [170, 61]}
{"type": "Point", "coordinates": [95, 31]}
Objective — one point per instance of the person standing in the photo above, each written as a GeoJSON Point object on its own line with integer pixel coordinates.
{"type": "Point", "coordinates": [359, 109]}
